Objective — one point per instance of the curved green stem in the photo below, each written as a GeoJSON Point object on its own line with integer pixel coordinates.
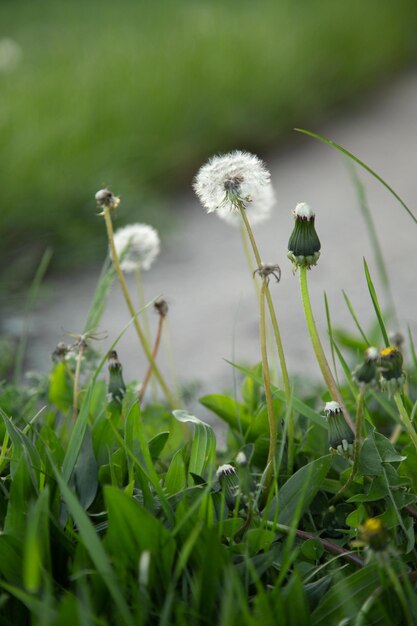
{"type": "Point", "coordinates": [357, 449]}
{"type": "Point", "coordinates": [405, 418]}
{"type": "Point", "coordinates": [125, 291]}
{"type": "Point", "coordinates": [278, 341]}
{"type": "Point", "coordinates": [268, 394]}
{"type": "Point", "coordinates": [76, 391]}
{"type": "Point", "coordinates": [318, 348]}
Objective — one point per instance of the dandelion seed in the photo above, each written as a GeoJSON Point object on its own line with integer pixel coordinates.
{"type": "Point", "coordinates": [237, 178]}
{"type": "Point", "coordinates": [137, 246]}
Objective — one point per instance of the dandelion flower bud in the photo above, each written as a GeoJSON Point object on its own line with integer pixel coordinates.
{"type": "Point", "coordinates": [304, 244]}
{"type": "Point", "coordinates": [229, 483]}
{"type": "Point", "coordinates": [117, 387]}
{"type": "Point", "coordinates": [390, 363]}
{"type": "Point", "coordinates": [137, 246]}
{"type": "Point", "coordinates": [106, 199]}
{"type": "Point", "coordinates": [341, 436]}
{"type": "Point", "coordinates": [161, 307]}
{"type": "Point", "coordinates": [235, 180]}
{"type": "Point", "coordinates": [373, 534]}
{"type": "Point", "coordinates": [365, 373]}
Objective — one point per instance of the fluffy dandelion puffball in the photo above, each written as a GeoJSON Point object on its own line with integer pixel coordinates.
{"type": "Point", "coordinates": [137, 246]}
{"type": "Point", "coordinates": [230, 179]}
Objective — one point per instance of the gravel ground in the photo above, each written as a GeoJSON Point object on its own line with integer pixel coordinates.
{"type": "Point", "coordinates": [202, 270]}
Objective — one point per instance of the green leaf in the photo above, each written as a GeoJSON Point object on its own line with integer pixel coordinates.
{"type": "Point", "coordinates": [346, 597]}
{"type": "Point", "coordinates": [176, 477]}
{"type": "Point", "coordinates": [86, 472]}
{"type": "Point", "coordinates": [157, 444]}
{"type": "Point", "coordinates": [375, 302]}
{"type": "Point", "coordinates": [232, 412]}
{"type": "Point", "coordinates": [36, 548]}
{"type": "Point", "coordinates": [296, 495]}
{"type": "Point", "coordinates": [312, 549]}
{"type": "Point", "coordinates": [203, 446]}
{"type": "Point", "coordinates": [93, 546]}
{"type": "Point", "coordinates": [132, 530]}
{"type": "Point", "coordinates": [60, 388]}
{"type": "Point", "coordinates": [77, 436]}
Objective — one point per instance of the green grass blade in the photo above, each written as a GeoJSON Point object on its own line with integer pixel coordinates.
{"type": "Point", "coordinates": [355, 318]}
{"type": "Point", "coordinates": [99, 302]}
{"type": "Point", "coordinates": [333, 144]}
{"type": "Point", "coordinates": [92, 544]}
{"type": "Point", "coordinates": [375, 302]}
{"type": "Point", "coordinates": [330, 331]}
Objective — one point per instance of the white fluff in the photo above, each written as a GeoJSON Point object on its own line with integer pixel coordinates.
{"type": "Point", "coordinates": [137, 246]}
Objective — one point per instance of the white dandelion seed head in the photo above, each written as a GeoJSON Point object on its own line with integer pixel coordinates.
{"type": "Point", "coordinates": [332, 407]}
{"type": "Point", "coordinates": [304, 211]}
{"type": "Point", "coordinates": [241, 174]}
{"type": "Point", "coordinates": [137, 246]}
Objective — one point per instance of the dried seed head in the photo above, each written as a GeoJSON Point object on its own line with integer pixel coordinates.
{"type": "Point", "coordinates": [106, 199]}
{"type": "Point", "coordinates": [60, 351]}
{"type": "Point", "coordinates": [161, 306]}
{"type": "Point", "coordinates": [304, 244]}
{"type": "Point", "coordinates": [235, 179]}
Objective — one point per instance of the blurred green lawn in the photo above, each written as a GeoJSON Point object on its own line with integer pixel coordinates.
{"type": "Point", "coordinates": [136, 94]}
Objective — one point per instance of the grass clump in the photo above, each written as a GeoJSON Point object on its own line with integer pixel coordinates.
{"type": "Point", "coordinates": [115, 509]}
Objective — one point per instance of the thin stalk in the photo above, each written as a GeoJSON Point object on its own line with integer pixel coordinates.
{"type": "Point", "coordinates": [318, 348]}
{"type": "Point", "coordinates": [125, 291]}
{"type": "Point", "coordinates": [327, 545]}
{"type": "Point", "coordinates": [145, 318]}
{"type": "Point", "coordinates": [169, 355]}
{"type": "Point", "coordinates": [405, 418]}
{"type": "Point", "coordinates": [154, 355]}
{"type": "Point", "coordinates": [268, 394]}
{"type": "Point", "coordinates": [278, 341]}
{"type": "Point", "coordinates": [76, 391]}
{"type": "Point", "coordinates": [357, 449]}
{"type": "Point", "coordinates": [142, 304]}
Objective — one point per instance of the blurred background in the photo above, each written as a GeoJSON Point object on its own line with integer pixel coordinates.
{"type": "Point", "coordinates": [135, 95]}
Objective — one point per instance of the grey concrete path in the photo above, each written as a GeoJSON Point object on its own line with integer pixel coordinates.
{"type": "Point", "coordinates": [202, 270]}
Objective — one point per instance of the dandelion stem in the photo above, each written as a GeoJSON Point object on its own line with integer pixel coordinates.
{"type": "Point", "coordinates": [138, 328]}
{"type": "Point", "coordinates": [77, 373]}
{"type": "Point", "coordinates": [268, 393]}
{"type": "Point", "coordinates": [154, 355]}
{"type": "Point", "coordinates": [405, 418]}
{"type": "Point", "coordinates": [318, 348]}
{"type": "Point", "coordinates": [142, 304]}
{"type": "Point", "coordinates": [357, 449]}
{"type": "Point", "coordinates": [278, 341]}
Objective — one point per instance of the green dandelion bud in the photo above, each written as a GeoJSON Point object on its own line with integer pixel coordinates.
{"type": "Point", "coordinates": [365, 374]}
{"type": "Point", "coordinates": [373, 534]}
{"type": "Point", "coordinates": [117, 387]}
{"type": "Point", "coordinates": [390, 363]}
{"type": "Point", "coordinates": [304, 244]}
{"type": "Point", "coordinates": [229, 483]}
{"type": "Point", "coordinates": [341, 437]}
